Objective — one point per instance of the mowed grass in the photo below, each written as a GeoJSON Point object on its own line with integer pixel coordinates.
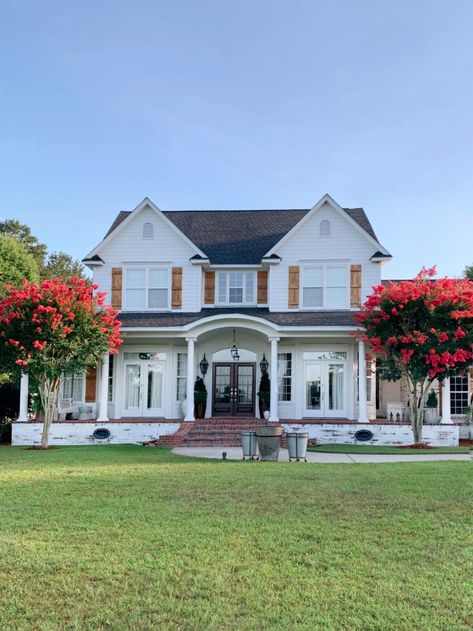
{"type": "Point", "coordinates": [132, 538]}
{"type": "Point", "coordinates": [386, 449]}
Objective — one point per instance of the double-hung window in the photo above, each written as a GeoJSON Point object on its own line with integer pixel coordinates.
{"type": "Point", "coordinates": [181, 376]}
{"type": "Point", "coordinates": [458, 394]}
{"type": "Point", "coordinates": [147, 288]}
{"type": "Point", "coordinates": [73, 387]}
{"type": "Point", "coordinates": [236, 288]}
{"type": "Point", "coordinates": [284, 376]}
{"type": "Point", "coordinates": [325, 287]}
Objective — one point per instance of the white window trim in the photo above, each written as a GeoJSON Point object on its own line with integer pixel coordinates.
{"type": "Point", "coordinates": [74, 401]}
{"type": "Point", "coordinates": [324, 287]}
{"type": "Point", "coordinates": [291, 352]}
{"type": "Point", "coordinates": [227, 302]}
{"type": "Point", "coordinates": [147, 268]}
{"type": "Point", "coordinates": [183, 377]}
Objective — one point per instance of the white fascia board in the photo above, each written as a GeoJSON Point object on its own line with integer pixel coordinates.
{"type": "Point", "coordinates": [234, 266]}
{"type": "Point", "coordinates": [146, 202]}
{"type": "Point", "coordinates": [329, 200]}
{"type": "Point", "coordinates": [286, 329]}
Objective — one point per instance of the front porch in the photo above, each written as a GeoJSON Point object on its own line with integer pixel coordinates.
{"type": "Point", "coordinates": [225, 432]}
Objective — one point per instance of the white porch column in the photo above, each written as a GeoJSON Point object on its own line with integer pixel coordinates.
{"type": "Point", "coordinates": [362, 400]}
{"type": "Point", "coordinates": [103, 395]}
{"type": "Point", "coordinates": [23, 414]}
{"type": "Point", "coordinates": [446, 410]}
{"type": "Point", "coordinates": [273, 412]}
{"type": "Point", "coordinates": [190, 378]}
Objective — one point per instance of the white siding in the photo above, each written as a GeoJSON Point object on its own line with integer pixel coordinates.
{"type": "Point", "coordinates": [167, 246]}
{"type": "Point", "coordinates": [345, 243]}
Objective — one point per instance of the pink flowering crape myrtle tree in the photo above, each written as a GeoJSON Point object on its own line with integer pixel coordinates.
{"type": "Point", "coordinates": [54, 328]}
{"type": "Point", "coordinates": [420, 330]}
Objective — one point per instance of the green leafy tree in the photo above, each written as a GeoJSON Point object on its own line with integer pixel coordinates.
{"type": "Point", "coordinates": [16, 264]}
{"type": "Point", "coordinates": [55, 328]}
{"type": "Point", "coordinates": [62, 265]}
{"type": "Point", "coordinates": [468, 272]}
{"type": "Point", "coordinates": [22, 233]}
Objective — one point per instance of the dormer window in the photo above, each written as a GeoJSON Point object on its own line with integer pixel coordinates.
{"type": "Point", "coordinates": [147, 230]}
{"type": "Point", "coordinates": [236, 288]}
{"type": "Point", "coordinates": [325, 228]}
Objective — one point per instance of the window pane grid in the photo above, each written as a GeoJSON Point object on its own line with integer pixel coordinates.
{"type": "Point", "coordinates": [236, 287]}
{"type": "Point", "coordinates": [458, 394]}
{"type": "Point", "coordinates": [147, 288]}
{"type": "Point", "coordinates": [324, 286]}
{"type": "Point", "coordinates": [285, 376]}
{"type": "Point", "coordinates": [181, 376]}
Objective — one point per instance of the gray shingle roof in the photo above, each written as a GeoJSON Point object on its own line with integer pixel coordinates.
{"type": "Point", "coordinates": [240, 236]}
{"type": "Point", "coordinates": [283, 318]}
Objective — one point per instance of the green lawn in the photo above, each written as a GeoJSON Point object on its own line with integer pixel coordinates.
{"type": "Point", "coordinates": [380, 449]}
{"type": "Point", "coordinates": [133, 538]}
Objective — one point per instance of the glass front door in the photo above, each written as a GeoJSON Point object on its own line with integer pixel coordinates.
{"type": "Point", "coordinates": [233, 390]}
{"type": "Point", "coordinates": [144, 389]}
{"type": "Point", "coordinates": [325, 389]}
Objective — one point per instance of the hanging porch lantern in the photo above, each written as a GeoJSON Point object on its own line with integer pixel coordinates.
{"type": "Point", "coordinates": [234, 350]}
{"type": "Point", "coordinates": [264, 365]}
{"type": "Point", "coordinates": [204, 365]}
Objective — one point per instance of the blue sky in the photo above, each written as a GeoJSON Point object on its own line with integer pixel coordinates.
{"type": "Point", "coordinates": [241, 104]}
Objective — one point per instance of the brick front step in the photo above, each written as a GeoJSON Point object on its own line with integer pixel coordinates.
{"type": "Point", "coordinates": [214, 432]}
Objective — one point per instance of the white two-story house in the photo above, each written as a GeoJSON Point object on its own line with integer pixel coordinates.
{"type": "Point", "coordinates": [223, 294]}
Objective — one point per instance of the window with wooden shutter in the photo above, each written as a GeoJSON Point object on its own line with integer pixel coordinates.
{"type": "Point", "coordinates": [209, 288]}
{"type": "Point", "coordinates": [355, 285]}
{"type": "Point", "coordinates": [176, 288]}
{"type": "Point", "coordinates": [262, 298]}
{"type": "Point", "coordinates": [90, 385]}
{"type": "Point", "coordinates": [293, 296]}
{"type": "Point", "coordinates": [117, 287]}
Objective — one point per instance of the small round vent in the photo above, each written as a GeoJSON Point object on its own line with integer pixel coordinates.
{"type": "Point", "coordinates": [101, 433]}
{"type": "Point", "coordinates": [363, 435]}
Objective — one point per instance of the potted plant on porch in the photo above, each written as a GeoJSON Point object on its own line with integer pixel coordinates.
{"type": "Point", "coordinates": [264, 394]}
{"type": "Point", "coordinates": [200, 398]}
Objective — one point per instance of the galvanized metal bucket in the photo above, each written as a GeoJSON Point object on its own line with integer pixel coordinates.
{"type": "Point", "coordinates": [297, 445]}
{"type": "Point", "coordinates": [249, 445]}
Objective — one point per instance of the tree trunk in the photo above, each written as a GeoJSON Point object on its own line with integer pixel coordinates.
{"type": "Point", "coordinates": [48, 391]}
{"type": "Point", "coordinates": [417, 392]}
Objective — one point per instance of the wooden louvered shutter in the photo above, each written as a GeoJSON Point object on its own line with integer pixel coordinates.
{"type": "Point", "coordinates": [262, 298]}
{"type": "Point", "coordinates": [176, 288]}
{"type": "Point", "coordinates": [355, 285]}
{"type": "Point", "coordinates": [209, 288]}
{"type": "Point", "coordinates": [117, 287]}
{"type": "Point", "coordinates": [293, 296]}
{"type": "Point", "coordinates": [90, 385]}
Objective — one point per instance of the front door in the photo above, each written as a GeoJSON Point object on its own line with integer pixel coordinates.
{"type": "Point", "coordinates": [325, 389]}
{"type": "Point", "coordinates": [144, 389]}
{"type": "Point", "coordinates": [233, 389]}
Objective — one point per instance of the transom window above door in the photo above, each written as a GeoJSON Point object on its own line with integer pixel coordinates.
{"type": "Point", "coordinates": [147, 288]}
{"type": "Point", "coordinates": [325, 287]}
{"type": "Point", "coordinates": [236, 288]}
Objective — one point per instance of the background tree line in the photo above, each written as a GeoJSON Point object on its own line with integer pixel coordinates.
{"type": "Point", "coordinates": [23, 256]}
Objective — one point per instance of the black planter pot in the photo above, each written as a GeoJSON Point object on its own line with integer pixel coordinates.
{"type": "Point", "coordinates": [199, 410]}
{"type": "Point", "coordinates": [263, 407]}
